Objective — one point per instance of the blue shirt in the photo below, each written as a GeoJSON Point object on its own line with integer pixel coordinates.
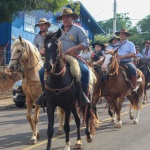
{"type": "Point", "coordinates": [139, 55]}
{"type": "Point", "coordinates": [126, 48]}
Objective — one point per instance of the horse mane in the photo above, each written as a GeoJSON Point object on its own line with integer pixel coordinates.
{"type": "Point", "coordinates": [48, 36]}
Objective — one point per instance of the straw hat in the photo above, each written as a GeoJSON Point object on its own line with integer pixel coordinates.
{"type": "Point", "coordinates": [136, 47]}
{"type": "Point", "coordinates": [123, 31]}
{"type": "Point", "coordinates": [147, 41]}
{"type": "Point", "coordinates": [43, 21]}
{"type": "Point", "coordinates": [68, 11]}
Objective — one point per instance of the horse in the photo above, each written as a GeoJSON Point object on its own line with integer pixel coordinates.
{"type": "Point", "coordinates": [119, 88]}
{"type": "Point", "coordinates": [26, 59]}
{"type": "Point", "coordinates": [142, 64]}
{"type": "Point", "coordinates": [60, 90]}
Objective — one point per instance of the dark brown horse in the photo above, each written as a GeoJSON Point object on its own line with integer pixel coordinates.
{"type": "Point", "coordinates": [60, 90]}
{"type": "Point", "coordinates": [119, 88]}
{"type": "Point", "coordinates": [143, 65]}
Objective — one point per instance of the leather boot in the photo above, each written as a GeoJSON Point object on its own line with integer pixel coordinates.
{"type": "Point", "coordinates": [106, 92]}
{"type": "Point", "coordinates": [134, 84]}
{"type": "Point", "coordinates": [81, 96]}
{"type": "Point", "coordinates": [41, 100]}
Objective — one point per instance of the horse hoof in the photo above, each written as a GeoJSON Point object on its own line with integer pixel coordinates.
{"type": "Point", "coordinates": [144, 102]}
{"type": "Point", "coordinates": [118, 125]}
{"type": "Point", "coordinates": [59, 132]}
{"type": "Point", "coordinates": [113, 120]}
{"type": "Point", "coordinates": [131, 117]}
{"type": "Point", "coordinates": [89, 140]}
{"type": "Point", "coordinates": [33, 140]}
{"type": "Point", "coordinates": [38, 135]}
{"type": "Point", "coordinates": [67, 146]}
{"type": "Point", "coordinates": [78, 144]}
{"type": "Point", "coordinates": [135, 121]}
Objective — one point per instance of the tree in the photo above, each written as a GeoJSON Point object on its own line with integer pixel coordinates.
{"type": "Point", "coordinates": [122, 21]}
{"type": "Point", "coordinates": [144, 24]}
{"type": "Point", "coordinates": [9, 8]}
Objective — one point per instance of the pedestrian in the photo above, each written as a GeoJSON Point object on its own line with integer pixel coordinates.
{"type": "Point", "coordinates": [146, 50]}
{"type": "Point", "coordinates": [126, 53]}
{"type": "Point", "coordinates": [86, 54]}
{"type": "Point", "coordinates": [43, 25]}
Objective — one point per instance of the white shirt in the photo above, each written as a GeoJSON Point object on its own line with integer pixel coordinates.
{"type": "Point", "coordinates": [146, 55]}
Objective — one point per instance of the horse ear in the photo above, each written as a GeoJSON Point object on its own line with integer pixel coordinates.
{"type": "Point", "coordinates": [59, 33]}
{"type": "Point", "coordinates": [115, 51]}
{"type": "Point", "coordinates": [13, 38]}
{"type": "Point", "coordinates": [20, 38]}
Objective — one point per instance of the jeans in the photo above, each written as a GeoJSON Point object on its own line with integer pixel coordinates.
{"type": "Point", "coordinates": [41, 74]}
{"type": "Point", "coordinates": [131, 67]}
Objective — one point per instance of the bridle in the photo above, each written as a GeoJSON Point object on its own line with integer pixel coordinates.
{"type": "Point", "coordinates": [24, 46]}
{"type": "Point", "coordinates": [57, 60]}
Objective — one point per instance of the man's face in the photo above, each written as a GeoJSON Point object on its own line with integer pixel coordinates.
{"type": "Point", "coordinates": [123, 36]}
{"type": "Point", "coordinates": [67, 20]}
{"type": "Point", "coordinates": [43, 27]}
{"type": "Point", "coordinates": [147, 45]}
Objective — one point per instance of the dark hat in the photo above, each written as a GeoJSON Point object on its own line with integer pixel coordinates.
{"type": "Point", "coordinates": [110, 41]}
{"type": "Point", "coordinates": [136, 47]}
{"type": "Point", "coordinates": [43, 21]}
{"type": "Point", "coordinates": [147, 41]}
{"type": "Point", "coordinates": [123, 31]}
{"type": "Point", "coordinates": [68, 11]}
{"type": "Point", "coordinates": [100, 44]}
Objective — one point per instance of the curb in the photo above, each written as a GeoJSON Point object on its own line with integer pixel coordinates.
{"type": "Point", "coordinates": [7, 107]}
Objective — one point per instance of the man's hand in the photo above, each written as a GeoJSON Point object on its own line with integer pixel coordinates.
{"type": "Point", "coordinates": [119, 57]}
{"type": "Point", "coordinates": [42, 51]}
{"type": "Point", "coordinates": [70, 51]}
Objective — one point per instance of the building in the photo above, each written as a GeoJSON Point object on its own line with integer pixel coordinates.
{"type": "Point", "coordinates": [24, 25]}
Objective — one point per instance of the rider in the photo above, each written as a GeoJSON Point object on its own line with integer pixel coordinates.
{"type": "Point", "coordinates": [74, 39]}
{"type": "Point", "coordinates": [146, 50]}
{"type": "Point", "coordinates": [113, 43]}
{"type": "Point", "coordinates": [126, 53]}
{"type": "Point", "coordinates": [43, 25]}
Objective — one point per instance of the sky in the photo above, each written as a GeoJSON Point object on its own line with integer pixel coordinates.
{"type": "Point", "coordinates": [103, 9]}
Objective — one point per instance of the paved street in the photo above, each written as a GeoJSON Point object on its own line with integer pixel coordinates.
{"type": "Point", "coordinates": [16, 132]}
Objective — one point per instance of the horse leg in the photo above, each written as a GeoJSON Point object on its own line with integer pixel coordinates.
{"type": "Point", "coordinates": [67, 129]}
{"type": "Point", "coordinates": [138, 111]}
{"type": "Point", "coordinates": [118, 106]}
{"type": "Point", "coordinates": [36, 134]}
{"type": "Point", "coordinates": [50, 131]}
{"type": "Point", "coordinates": [78, 144]}
{"type": "Point", "coordinates": [61, 116]}
{"type": "Point", "coordinates": [111, 111]}
{"type": "Point", "coordinates": [29, 118]}
{"type": "Point", "coordinates": [89, 126]}
{"type": "Point", "coordinates": [145, 96]}
{"type": "Point", "coordinates": [130, 112]}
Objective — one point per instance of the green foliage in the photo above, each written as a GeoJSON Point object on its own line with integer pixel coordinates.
{"type": "Point", "coordinates": [10, 8]}
{"type": "Point", "coordinates": [75, 7]}
{"type": "Point", "coordinates": [144, 24]}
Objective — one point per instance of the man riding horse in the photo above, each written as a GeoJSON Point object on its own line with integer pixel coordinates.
{"type": "Point", "coordinates": [74, 39]}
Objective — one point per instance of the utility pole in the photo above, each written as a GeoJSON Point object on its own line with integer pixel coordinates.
{"type": "Point", "coordinates": [114, 18]}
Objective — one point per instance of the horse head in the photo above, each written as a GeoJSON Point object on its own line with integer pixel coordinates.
{"type": "Point", "coordinates": [109, 61]}
{"type": "Point", "coordinates": [53, 51]}
{"type": "Point", "coordinates": [22, 54]}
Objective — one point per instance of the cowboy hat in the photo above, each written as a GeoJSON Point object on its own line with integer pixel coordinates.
{"type": "Point", "coordinates": [100, 44]}
{"type": "Point", "coordinates": [123, 31]}
{"type": "Point", "coordinates": [147, 41]}
{"type": "Point", "coordinates": [113, 38]}
{"type": "Point", "coordinates": [68, 11]}
{"type": "Point", "coordinates": [43, 21]}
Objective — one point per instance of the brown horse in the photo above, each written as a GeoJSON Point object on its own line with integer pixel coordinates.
{"type": "Point", "coordinates": [119, 88]}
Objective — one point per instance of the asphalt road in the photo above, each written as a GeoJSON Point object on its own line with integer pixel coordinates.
{"type": "Point", "coordinates": [15, 132]}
